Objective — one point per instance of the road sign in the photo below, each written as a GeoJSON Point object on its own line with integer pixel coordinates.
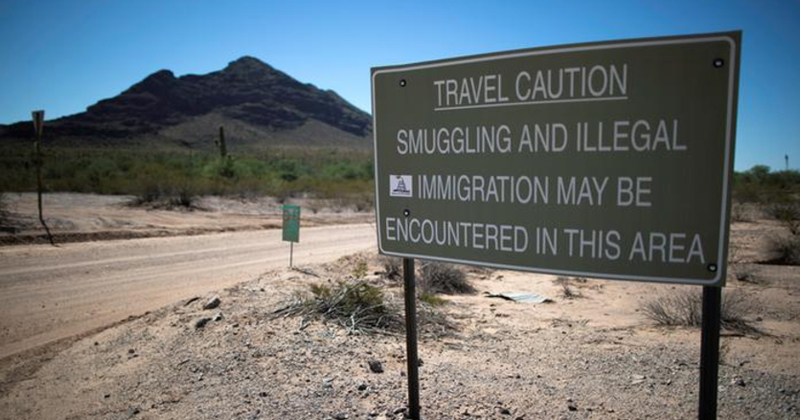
{"type": "Point", "coordinates": [291, 223]}
{"type": "Point", "coordinates": [605, 160]}
{"type": "Point", "coordinates": [38, 122]}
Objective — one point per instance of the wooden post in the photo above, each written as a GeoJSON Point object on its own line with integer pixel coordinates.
{"type": "Point", "coordinates": [38, 126]}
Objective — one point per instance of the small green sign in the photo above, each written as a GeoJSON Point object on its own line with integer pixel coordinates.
{"type": "Point", "coordinates": [610, 159]}
{"type": "Point", "coordinates": [291, 223]}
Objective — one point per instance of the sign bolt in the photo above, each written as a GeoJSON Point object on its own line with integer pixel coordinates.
{"type": "Point", "coordinates": [402, 82]}
{"type": "Point", "coordinates": [712, 268]}
{"type": "Point", "coordinates": [406, 212]}
{"type": "Point", "coordinates": [718, 62]}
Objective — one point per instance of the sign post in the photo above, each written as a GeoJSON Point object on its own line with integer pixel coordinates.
{"type": "Point", "coordinates": [709, 352]}
{"type": "Point", "coordinates": [291, 227]}
{"type": "Point", "coordinates": [607, 160]}
{"type": "Point", "coordinates": [412, 358]}
{"type": "Point", "coordinates": [38, 128]}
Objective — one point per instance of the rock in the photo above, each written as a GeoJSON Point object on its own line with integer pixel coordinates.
{"type": "Point", "coordinates": [218, 316]}
{"type": "Point", "coordinates": [375, 366]}
{"type": "Point", "coordinates": [201, 322]}
{"type": "Point", "coordinates": [192, 300]}
{"type": "Point", "coordinates": [572, 407]}
{"type": "Point", "coordinates": [212, 303]}
{"type": "Point", "coordinates": [362, 387]}
{"type": "Point", "coordinates": [340, 416]}
{"type": "Point", "coordinates": [505, 411]}
{"type": "Point", "coordinates": [131, 351]}
{"type": "Point", "coordinates": [737, 380]}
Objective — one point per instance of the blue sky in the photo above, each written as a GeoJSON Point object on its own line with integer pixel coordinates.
{"type": "Point", "coordinates": [63, 56]}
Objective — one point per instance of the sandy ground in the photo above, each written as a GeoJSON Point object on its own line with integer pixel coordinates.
{"type": "Point", "coordinates": [592, 357]}
{"type": "Point", "coordinates": [50, 293]}
{"type": "Point", "coordinates": [74, 217]}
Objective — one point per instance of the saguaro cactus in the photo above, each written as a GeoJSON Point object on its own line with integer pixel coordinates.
{"type": "Point", "coordinates": [223, 148]}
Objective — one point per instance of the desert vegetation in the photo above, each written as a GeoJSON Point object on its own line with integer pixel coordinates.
{"type": "Point", "coordinates": [361, 305]}
{"type": "Point", "coordinates": [776, 195]}
{"type": "Point", "coordinates": [685, 308]}
{"type": "Point", "coordinates": [436, 277]}
{"type": "Point", "coordinates": [345, 176]}
{"type": "Point", "coordinates": [762, 186]}
{"type": "Point", "coordinates": [356, 305]}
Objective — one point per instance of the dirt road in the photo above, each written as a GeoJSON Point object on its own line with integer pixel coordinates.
{"type": "Point", "coordinates": [50, 293]}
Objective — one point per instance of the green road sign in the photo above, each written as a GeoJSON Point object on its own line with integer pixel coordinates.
{"type": "Point", "coordinates": [291, 223]}
{"type": "Point", "coordinates": [606, 160]}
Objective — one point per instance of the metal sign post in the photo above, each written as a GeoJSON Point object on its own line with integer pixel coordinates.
{"type": "Point", "coordinates": [411, 338]}
{"type": "Point", "coordinates": [291, 227]}
{"type": "Point", "coordinates": [709, 353]}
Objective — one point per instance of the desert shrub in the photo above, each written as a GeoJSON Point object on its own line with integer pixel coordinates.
{"type": "Point", "coordinates": [392, 267]}
{"type": "Point", "coordinates": [184, 196]}
{"type": "Point", "coordinates": [356, 306]}
{"type": "Point", "coordinates": [740, 212]}
{"type": "Point", "coordinates": [436, 277]}
{"type": "Point", "coordinates": [787, 213]}
{"type": "Point", "coordinates": [363, 308]}
{"type": "Point", "coordinates": [360, 270]}
{"type": "Point", "coordinates": [685, 308]}
{"type": "Point", "coordinates": [760, 185]}
{"type": "Point", "coordinates": [784, 250]}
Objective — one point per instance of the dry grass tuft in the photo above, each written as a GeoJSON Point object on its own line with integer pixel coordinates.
{"type": "Point", "coordinates": [436, 277]}
{"type": "Point", "coordinates": [569, 293]}
{"type": "Point", "coordinates": [685, 308]}
{"type": "Point", "coordinates": [566, 283]}
{"type": "Point", "coordinates": [433, 300]}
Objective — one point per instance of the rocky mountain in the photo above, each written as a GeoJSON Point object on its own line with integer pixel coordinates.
{"type": "Point", "coordinates": [257, 104]}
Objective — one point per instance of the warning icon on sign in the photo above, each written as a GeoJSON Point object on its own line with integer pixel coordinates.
{"type": "Point", "coordinates": [400, 186]}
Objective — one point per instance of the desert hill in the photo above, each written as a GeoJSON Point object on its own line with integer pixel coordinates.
{"type": "Point", "coordinates": [258, 105]}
